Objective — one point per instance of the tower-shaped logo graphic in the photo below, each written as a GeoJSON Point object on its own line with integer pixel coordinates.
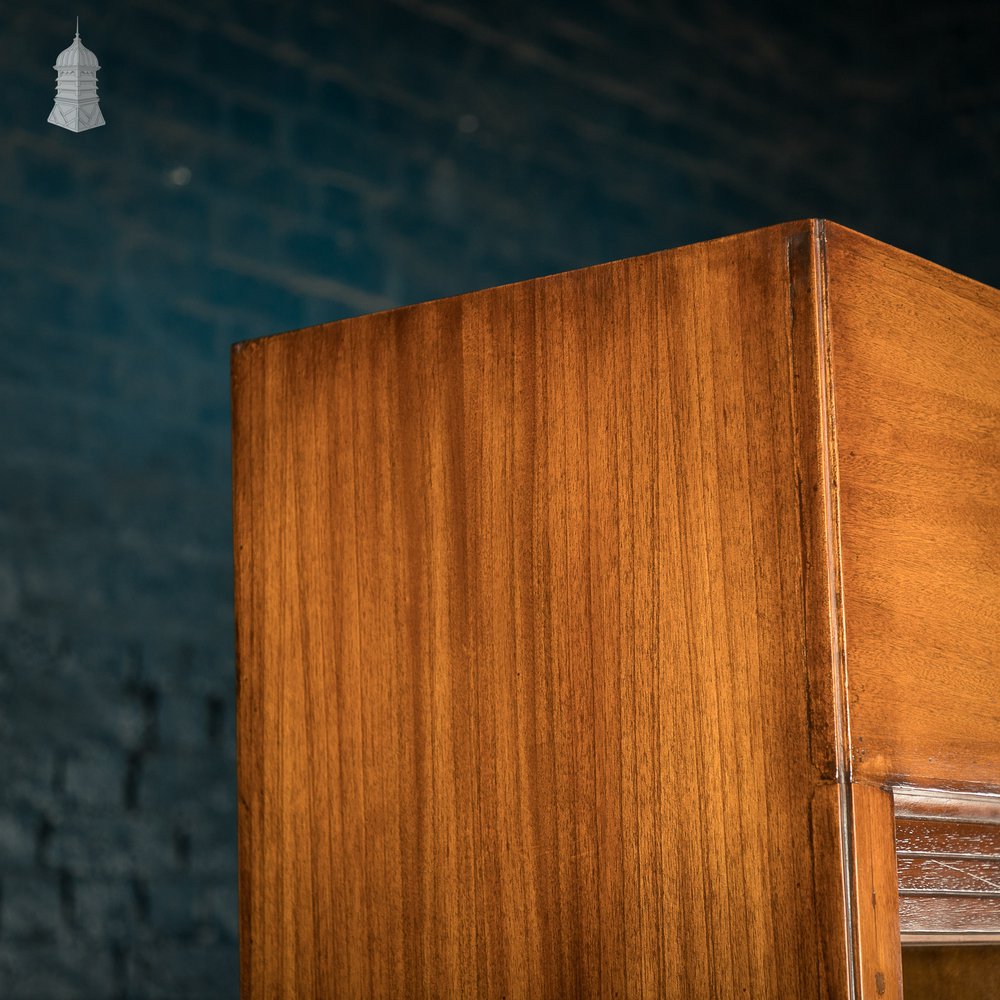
{"type": "Point", "coordinates": [76, 106]}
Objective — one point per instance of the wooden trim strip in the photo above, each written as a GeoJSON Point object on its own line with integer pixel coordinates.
{"type": "Point", "coordinates": [971, 939]}
{"type": "Point", "coordinates": [862, 949]}
{"type": "Point", "coordinates": [880, 974]}
{"type": "Point", "coordinates": [962, 807]}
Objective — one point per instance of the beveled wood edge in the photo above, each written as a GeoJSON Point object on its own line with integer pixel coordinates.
{"type": "Point", "coordinates": [836, 241]}
{"type": "Point", "coordinates": [815, 225]}
{"type": "Point", "coordinates": [906, 779]}
{"type": "Point", "coordinates": [867, 808]}
{"type": "Point", "coordinates": [831, 506]}
{"type": "Point", "coordinates": [860, 926]}
{"type": "Point", "coordinates": [936, 803]}
{"type": "Point", "coordinates": [935, 272]}
{"type": "Point", "coordinates": [972, 939]}
{"type": "Point", "coordinates": [831, 503]}
{"type": "Point", "coordinates": [780, 231]}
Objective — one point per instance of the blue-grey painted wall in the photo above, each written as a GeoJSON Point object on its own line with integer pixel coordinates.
{"type": "Point", "coordinates": [267, 166]}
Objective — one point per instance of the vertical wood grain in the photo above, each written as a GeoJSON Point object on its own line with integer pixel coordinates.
{"type": "Point", "coordinates": [535, 680]}
{"type": "Point", "coordinates": [877, 948]}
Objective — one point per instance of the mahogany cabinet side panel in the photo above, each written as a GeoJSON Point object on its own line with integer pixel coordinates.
{"type": "Point", "coordinates": [916, 358]}
{"type": "Point", "coordinates": [530, 627]}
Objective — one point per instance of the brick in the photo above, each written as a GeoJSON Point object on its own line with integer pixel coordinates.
{"type": "Point", "coordinates": [263, 18]}
{"type": "Point", "coordinates": [219, 910]}
{"type": "Point", "coordinates": [328, 42]}
{"type": "Point", "coordinates": [193, 667]}
{"type": "Point", "coordinates": [249, 70]}
{"type": "Point", "coordinates": [250, 124]}
{"type": "Point", "coordinates": [105, 908]}
{"type": "Point", "coordinates": [249, 233]}
{"type": "Point", "coordinates": [354, 264]}
{"type": "Point", "coordinates": [264, 185]}
{"type": "Point", "coordinates": [18, 840]}
{"type": "Point", "coordinates": [345, 104]}
{"type": "Point", "coordinates": [51, 177]}
{"type": "Point", "coordinates": [328, 145]}
{"type": "Point", "coordinates": [415, 130]}
{"type": "Point", "coordinates": [158, 269]}
{"type": "Point", "coordinates": [212, 836]}
{"type": "Point", "coordinates": [67, 971]}
{"type": "Point", "coordinates": [168, 95]}
{"type": "Point", "coordinates": [343, 209]}
{"type": "Point", "coordinates": [277, 306]}
{"type": "Point", "coordinates": [160, 35]}
{"type": "Point", "coordinates": [10, 590]}
{"type": "Point", "coordinates": [181, 214]}
{"type": "Point", "coordinates": [94, 775]}
{"type": "Point", "coordinates": [186, 781]}
{"type": "Point", "coordinates": [175, 909]}
{"type": "Point", "coordinates": [327, 310]}
{"type": "Point", "coordinates": [184, 722]}
{"type": "Point", "coordinates": [63, 681]}
{"type": "Point", "coordinates": [32, 912]}
{"type": "Point", "coordinates": [193, 334]}
{"type": "Point", "coordinates": [113, 845]}
{"type": "Point", "coordinates": [176, 971]}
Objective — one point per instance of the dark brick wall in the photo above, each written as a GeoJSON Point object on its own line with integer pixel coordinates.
{"type": "Point", "coordinates": [268, 166]}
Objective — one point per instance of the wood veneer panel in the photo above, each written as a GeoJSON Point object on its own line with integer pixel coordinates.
{"type": "Point", "coordinates": [916, 362]}
{"type": "Point", "coordinates": [950, 973]}
{"type": "Point", "coordinates": [535, 679]}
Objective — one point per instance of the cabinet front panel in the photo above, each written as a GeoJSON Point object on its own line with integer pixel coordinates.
{"type": "Point", "coordinates": [916, 364]}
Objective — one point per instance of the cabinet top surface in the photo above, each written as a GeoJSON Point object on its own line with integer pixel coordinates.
{"type": "Point", "coordinates": [779, 232]}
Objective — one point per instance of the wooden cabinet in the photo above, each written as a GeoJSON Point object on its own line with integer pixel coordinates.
{"type": "Point", "coordinates": [586, 626]}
